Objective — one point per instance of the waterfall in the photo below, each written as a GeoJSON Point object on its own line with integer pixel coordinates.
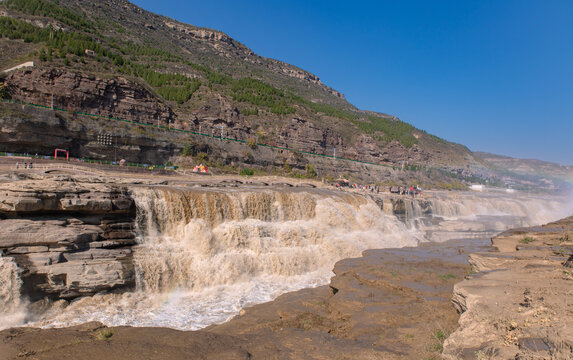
{"type": "Point", "coordinates": [467, 215]}
{"type": "Point", "coordinates": [198, 239]}
{"type": "Point", "coordinates": [12, 307]}
{"type": "Point", "coordinates": [532, 209]}
{"type": "Point", "coordinates": [203, 254]}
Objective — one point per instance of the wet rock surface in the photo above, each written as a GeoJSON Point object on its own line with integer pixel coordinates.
{"type": "Point", "coordinates": [518, 304]}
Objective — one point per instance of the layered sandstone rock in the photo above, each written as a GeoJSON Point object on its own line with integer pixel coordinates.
{"type": "Point", "coordinates": [70, 239]}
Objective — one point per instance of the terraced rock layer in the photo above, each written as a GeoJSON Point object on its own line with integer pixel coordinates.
{"type": "Point", "coordinates": [71, 239]}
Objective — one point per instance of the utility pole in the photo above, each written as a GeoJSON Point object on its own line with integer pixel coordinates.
{"type": "Point", "coordinates": [52, 103]}
{"type": "Point", "coordinates": [221, 132]}
{"type": "Point", "coordinates": [334, 149]}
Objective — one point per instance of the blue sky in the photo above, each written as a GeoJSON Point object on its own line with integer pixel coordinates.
{"type": "Point", "coordinates": [496, 76]}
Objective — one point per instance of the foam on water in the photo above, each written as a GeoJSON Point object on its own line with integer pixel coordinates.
{"type": "Point", "coordinates": [179, 309]}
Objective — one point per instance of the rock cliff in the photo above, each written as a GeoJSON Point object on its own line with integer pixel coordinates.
{"type": "Point", "coordinates": [74, 91]}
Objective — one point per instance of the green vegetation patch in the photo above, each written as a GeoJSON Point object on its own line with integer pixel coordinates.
{"type": "Point", "coordinates": [329, 110]}
{"type": "Point", "coordinates": [447, 277]}
{"type": "Point", "coordinates": [4, 91]}
{"type": "Point", "coordinates": [247, 172]}
{"type": "Point", "coordinates": [139, 50]}
{"type": "Point", "coordinates": [68, 42]}
{"type": "Point", "coordinates": [527, 240]}
{"type": "Point", "coordinates": [440, 335]}
{"type": "Point", "coordinates": [250, 111]}
{"type": "Point", "coordinates": [50, 9]}
{"type": "Point", "coordinates": [173, 87]}
{"type": "Point", "coordinates": [392, 129]}
{"type": "Point", "coordinates": [259, 93]}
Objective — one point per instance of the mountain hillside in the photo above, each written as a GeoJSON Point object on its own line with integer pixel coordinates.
{"type": "Point", "coordinates": [115, 61]}
{"type": "Point", "coordinates": [535, 173]}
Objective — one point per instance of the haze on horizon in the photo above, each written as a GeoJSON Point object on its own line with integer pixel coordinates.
{"type": "Point", "coordinates": [495, 76]}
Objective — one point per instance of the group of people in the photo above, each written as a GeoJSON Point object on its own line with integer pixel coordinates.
{"type": "Point", "coordinates": [407, 190]}
{"type": "Point", "coordinates": [342, 184]}
{"type": "Point", "coordinates": [367, 188]}
{"type": "Point", "coordinates": [27, 165]}
{"type": "Point", "coordinates": [202, 169]}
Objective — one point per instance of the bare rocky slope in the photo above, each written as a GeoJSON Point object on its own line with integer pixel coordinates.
{"type": "Point", "coordinates": [113, 59]}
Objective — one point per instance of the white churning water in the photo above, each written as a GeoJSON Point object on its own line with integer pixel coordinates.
{"type": "Point", "coordinates": [12, 307]}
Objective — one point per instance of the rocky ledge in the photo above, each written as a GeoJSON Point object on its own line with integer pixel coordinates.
{"type": "Point", "coordinates": [71, 238]}
{"type": "Point", "coordinates": [519, 303]}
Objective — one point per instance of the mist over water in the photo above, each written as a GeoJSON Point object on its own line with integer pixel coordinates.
{"type": "Point", "coordinates": [205, 254]}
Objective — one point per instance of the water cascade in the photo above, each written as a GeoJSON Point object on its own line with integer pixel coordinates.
{"type": "Point", "coordinates": [12, 307]}
{"type": "Point", "coordinates": [467, 215]}
{"type": "Point", "coordinates": [204, 254]}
